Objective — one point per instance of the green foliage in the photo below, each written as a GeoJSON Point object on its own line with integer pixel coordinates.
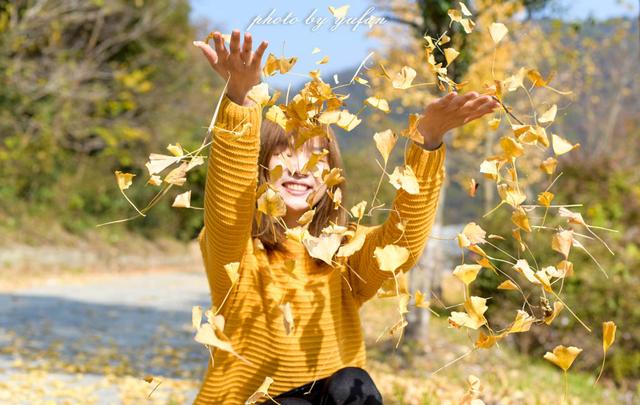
{"type": "Point", "coordinates": [611, 200]}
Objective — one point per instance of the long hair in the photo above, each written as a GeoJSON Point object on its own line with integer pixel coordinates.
{"type": "Point", "coordinates": [273, 140]}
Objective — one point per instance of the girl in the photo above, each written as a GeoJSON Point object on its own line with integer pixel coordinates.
{"type": "Point", "coordinates": [289, 316]}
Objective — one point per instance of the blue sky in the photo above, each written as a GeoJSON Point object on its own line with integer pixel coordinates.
{"type": "Point", "coordinates": [346, 46]}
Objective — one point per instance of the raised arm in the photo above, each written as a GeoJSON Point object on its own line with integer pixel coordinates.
{"type": "Point", "coordinates": [232, 168]}
{"type": "Point", "coordinates": [417, 211]}
{"type": "Point", "coordinates": [229, 198]}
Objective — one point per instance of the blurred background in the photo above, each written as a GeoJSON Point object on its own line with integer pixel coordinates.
{"type": "Point", "coordinates": [88, 87]}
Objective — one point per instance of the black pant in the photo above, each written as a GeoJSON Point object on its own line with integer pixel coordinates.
{"type": "Point", "coordinates": [349, 385]}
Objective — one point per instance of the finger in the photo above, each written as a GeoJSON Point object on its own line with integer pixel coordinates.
{"type": "Point", "coordinates": [246, 48]}
{"type": "Point", "coordinates": [477, 103]}
{"type": "Point", "coordinates": [257, 57]}
{"type": "Point", "coordinates": [208, 52]}
{"type": "Point", "coordinates": [446, 99]}
{"type": "Point", "coordinates": [235, 43]}
{"type": "Point", "coordinates": [460, 100]}
{"type": "Point", "coordinates": [482, 110]}
{"type": "Point", "coordinates": [219, 46]}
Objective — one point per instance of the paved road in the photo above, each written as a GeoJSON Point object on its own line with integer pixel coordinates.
{"type": "Point", "coordinates": [121, 327]}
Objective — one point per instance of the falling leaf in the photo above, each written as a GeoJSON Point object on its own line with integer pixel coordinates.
{"type": "Point", "coordinates": [549, 165]}
{"type": "Point", "coordinates": [358, 209]}
{"type": "Point", "coordinates": [315, 50]}
{"type": "Point", "coordinates": [489, 168]}
{"type": "Point", "coordinates": [522, 322]}
{"type": "Point", "coordinates": [520, 219]}
{"type": "Point", "coordinates": [196, 316]}
{"type": "Point", "coordinates": [450, 54]}
{"type": "Point", "coordinates": [549, 115]}
{"type": "Point", "coordinates": [471, 234]}
{"type": "Point", "coordinates": [391, 257]}
{"type": "Point", "coordinates": [562, 356]}
{"type": "Point", "coordinates": [608, 334]}
{"type": "Point", "coordinates": [404, 178]}
{"type": "Point", "coordinates": [557, 307]}
{"type": "Point", "coordinates": [421, 301]}
{"type": "Point", "coordinates": [562, 241]}
{"type": "Point", "coordinates": [232, 271]}
{"type": "Point", "coordinates": [306, 217]}
{"type": "Point", "coordinates": [497, 31]}
{"type": "Point", "coordinates": [353, 246]}
{"type": "Point", "coordinates": [339, 12]}
{"type": "Point", "coordinates": [322, 247]}
{"type": "Point", "coordinates": [177, 176]}
{"type": "Point", "coordinates": [323, 61]}
{"type": "Point", "coordinates": [261, 392]}
{"type": "Point", "coordinates": [273, 64]}
{"type": "Point", "coordinates": [404, 78]}
{"type": "Point", "coordinates": [158, 162]}
{"type": "Point", "coordinates": [472, 187]}
{"type": "Point", "coordinates": [287, 317]}
{"type": "Point", "coordinates": [385, 141]}
{"type": "Point", "coordinates": [182, 200]}
{"type": "Point", "coordinates": [545, 198]}
{"type": "Point", "coordinates": [464, 9]}
{"type": "Point", "coordinates": [562, 146]}
{"type": "Point", "coordinates": [379, 103]}
{"type": "Point", "coordinates": [124, 179]}
{"type": "Point", "coordinates": [271, 203]}
{"type": "Point", "coordinates": [507, 285]}
{"type": "Point", "coordinates": [259, 93]}
{"type": "Point", "coordinates": [467, 272]}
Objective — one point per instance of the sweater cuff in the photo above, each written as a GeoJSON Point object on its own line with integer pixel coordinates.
{"type": "Point", "coordinates": [232, 116]}
{"type": "Point", "coordinates": [425, 163]}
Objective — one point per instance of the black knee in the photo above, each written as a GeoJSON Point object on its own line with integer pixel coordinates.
{"type": "Point", "coordinates": [352, 385]}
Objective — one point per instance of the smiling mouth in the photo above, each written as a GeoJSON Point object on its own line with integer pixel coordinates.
{"type": "Point", "coordinates": [296, 188]}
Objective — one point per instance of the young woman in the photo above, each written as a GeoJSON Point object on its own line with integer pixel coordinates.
{"type": "Point", "coordinates": [320, 358]}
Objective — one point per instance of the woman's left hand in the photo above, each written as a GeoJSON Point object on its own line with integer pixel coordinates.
{"type": "Point", "coordinates": [452, 111]}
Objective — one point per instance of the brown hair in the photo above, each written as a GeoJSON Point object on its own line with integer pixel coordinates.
{"type": "Point", "coordinates": [273, 140]}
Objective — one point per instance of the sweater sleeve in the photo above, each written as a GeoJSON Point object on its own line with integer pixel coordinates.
{"type": "Point", "coordinates": [230, 188]}
{"type": "Point", "coordinates": [417, 210]}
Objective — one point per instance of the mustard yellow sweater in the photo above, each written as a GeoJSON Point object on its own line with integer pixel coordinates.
{"type": "Point", "coordinates": [327, 334]}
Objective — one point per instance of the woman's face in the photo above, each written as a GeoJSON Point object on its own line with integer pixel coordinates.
{"type": "Point", "coordinates": [294, 186]}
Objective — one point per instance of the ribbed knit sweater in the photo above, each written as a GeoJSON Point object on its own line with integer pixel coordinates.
{"type": "Point", "coordinates": [325, 300]}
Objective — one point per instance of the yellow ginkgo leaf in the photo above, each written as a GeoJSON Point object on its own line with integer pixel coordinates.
{"type": "Point", "coordinates": [158, 162]}
{"type": "Point", "coordinates": [358, 209]}
{"type": "Point", "coordinates": [182, 200]}
{"type": "Point", "coordinates": [473, 318]}
{"type": "Point", "coordinates": [271, 203]}
{"type": "Point", "coordinates": [124, 179]}
{"type": "Point", "coordinates": [261, 392]}
{"type": "Point", "coordinates": [274, 64]}
{"type": "Point", "coordinates": [562, 146]}
{"type": "Point", "coordinates": [454, 14]}
{"type": "Point", "coordinates": [353, 246]}
{"type": "Point", "coordinates": [522, 322]}
{"type": "Point", "coordinates": [323, 61]}
{"type": "Point", "coordinates": [177, 176]}
{"type": "Point", "coordinates": [464, 9]}
{"type": "Point", "coordinates": [467, 273]}
{"type": "Point", "coordinates": [232, 271]}
{"type": "Point", "coordinates": [468, 25]}
{"type": "Point", "coordinates": [155, 180]}
{"type": "Point", "coordinates": [275, 114]}
{"type": "Point", "coordinates": [522, 266]}
{"type": "Point", "coordinates": [404, 178]}
{"type": "Point", "coordinates": [306, 217]}
{"type": "Point", "coordinates": [287, 317]}
{"type": "Point", "coordinates": [557, 307]}
{"type": "Point", "coordinates": [545, 198]}
{"type": "Point", "coordinates": [497, 31]}
{"type": "Point", "coordinates": [549, 115]}
{"type": "Point", "coordinates": [322, 247]}
{"type": "Point", "coordinates": [421, 301]}
{"type": "Point", "coordinates": [206, 335]}
{"type": "Point", "coordinates": [391, 257]}
{"type": "Point", "coordinates": [297, 233]}
{"type": "Point", "coordinates": [471, 234]}
{"type": "Point", "coordinates": [385, 141]}
{"type": "Point", "coordinates": [404, 78]}
{"type": "Point", "coordinates": [549, 165]}
{"type": "Point", "coordinates": [608, 334]}
{"type": "Point", "coordinates": [520, 219]}
{"type": "Point", "coordinates": [339, 12]}
{"type": "Point", "coordinates": [511, 148]}
{"type": "Point", "coordinates": [450, 54]}
{"type": "Point", "coordinates": [562, 356]}
{"type": "Point", "coordinates": [196, 316]}
{"type": "Point", "coordinates": [507, 285]}
{"type": "Point", "coordinates": [259, 93]}
{"type": "Point", "coordinates": [489, 168]}
{"type": "Point", "coordinates": [379, 103]}
{"type": "Point", "coordinates": [562, 241]}
{"type": "Point", "coordinates": [176, 150]}
{"type": "Point", "coordinates": [333, 177]}
{"type": "Point", "coordinates": [315, 50]}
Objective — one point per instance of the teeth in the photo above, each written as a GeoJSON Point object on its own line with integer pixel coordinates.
{"type": "Point", "coordinates": [294, 186]}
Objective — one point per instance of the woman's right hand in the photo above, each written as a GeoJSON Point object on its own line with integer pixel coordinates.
{"type": "Point", "coordinates": [242, 64]}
